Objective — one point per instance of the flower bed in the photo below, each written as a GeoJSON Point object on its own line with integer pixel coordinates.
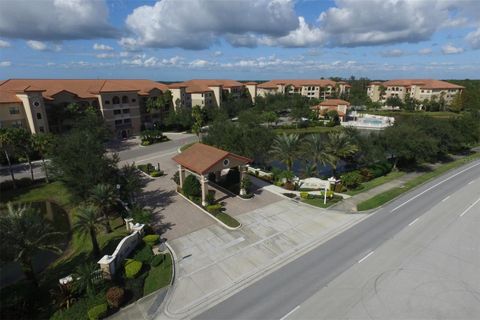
{"type": "Point", "coordinates": [150, 170]}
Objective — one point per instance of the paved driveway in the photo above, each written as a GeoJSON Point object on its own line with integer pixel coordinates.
{"type": "Point", "coordinates": [214, 262]}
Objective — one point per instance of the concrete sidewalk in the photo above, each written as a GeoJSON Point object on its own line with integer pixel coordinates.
{"type": "Point", "coordinates": [214, 263]}
{"type": "Point", "coordinates": [350, 204]}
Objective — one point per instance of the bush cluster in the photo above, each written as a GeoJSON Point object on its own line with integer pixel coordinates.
{"type": "Point", "coordinates": [156, 260]}
{"type": "Point", "coordinates": [214, 208]}
{"type": "Point", "coordinates": [151, 239]}
{"type": "Point", "coordinates": [98, 312]}
{"type": "Point", "coordinates": [115, 297]}
{"type": "Point", "coordinates": [191, 186]}
{"type": "Point", "coordinates": [132, 268]}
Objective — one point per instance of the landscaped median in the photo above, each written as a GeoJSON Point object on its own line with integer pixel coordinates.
{"type": "Point", "coordinates": [389, 195]}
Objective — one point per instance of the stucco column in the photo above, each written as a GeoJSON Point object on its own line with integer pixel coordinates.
{"type": "Point", "coordinates": [203, 182]}
{"type": "Point", "coordinates": [181, 175]}
{"type": "Point", "coordinates": [241, 170]}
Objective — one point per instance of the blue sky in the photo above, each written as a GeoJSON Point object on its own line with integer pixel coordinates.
{"type": "Point", "coordinates": [240, 39]}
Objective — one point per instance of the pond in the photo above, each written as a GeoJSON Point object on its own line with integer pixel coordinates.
{"type": "Point", "coordinates": [11, 272]}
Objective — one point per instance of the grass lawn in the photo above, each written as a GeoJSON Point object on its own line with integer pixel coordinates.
{"type": "Point", "coordinates": [186, 146]}
{"type": "Point", "coordinates": [365, 186]}
{"type": "Point", "coordinates": [159, 276]}
{"type": "Point", "coordinates": [54, 192]}
{"type": "Point", "coordinates": [228, 220]}
{"type": "Point", "coordinates": [318, 202]}
{"type": "Point", "coordinates": [386, 196]}
{"type": "Point", "coordinates": [307, 130]}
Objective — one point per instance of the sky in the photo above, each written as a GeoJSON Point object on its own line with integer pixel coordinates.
{"type": "Point", "coordinates": [173, 40]}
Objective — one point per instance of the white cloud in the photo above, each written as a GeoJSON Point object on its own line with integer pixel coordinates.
{"type": "Point", "coordinates": [5, 63]}
{"type": "Point", "coordinates": [425, 51]}
{"type": "Point", "coordinates": [473, 38]}
{"type": "Point", "coordinates": [392, 53]}
{"type": "Point", "coordinates": [199, 63]}
{"type": "Point", "coordinates": [124, 54]}
{"type": "Point", "coordinates": [451, 49]}
{"type": "Point", "coordinates": [142, 60]}
{"type": "Point", "coordinates": [4, 44]}
{"type": "Point", "coordinates": [197, 24]}
{"type": "Point", "coordinates": [455, 22]}
{"type": "Point", "coordinates": [304, 36]}
{"type": "Point", "coordinates": [356, 23]}
{"type": "Point", "coordinates": [99, 46]}
{"type": "Point", "coordinates": [217, 53]}
{"type": "Point", "coordinates": [55, 19]}
{"type": "Point", "coordinates": [42, 46]}
{"type": "Point", "coordinates": [105, 55]}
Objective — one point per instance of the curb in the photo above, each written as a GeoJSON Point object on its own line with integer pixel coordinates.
{"type": "Point", "coordinates": [210, 215]}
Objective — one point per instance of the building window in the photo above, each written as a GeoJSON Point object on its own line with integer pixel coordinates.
{"type": "Point", "coordinates": [17, 124]}
{"type": "Point", "coordinates": [117, 111]}
{"type": "Point", "coordinates": [126, 110]}
{"type": "Point", "coordinates": [39, 116]}
{"type": "Point", "coordinates": [116, 100]}
{"type": "Point", "coordinates": [41, 129]}
{"type": "Point", "coordinates": [118, 122]}
{"type": "Point", "coordinates": [127, 120]}
{"type": "Point", "coordinates": [124, 99]}
{"type": "Point", "coordinates": [134, 100]}
{"type": "Point", "coordinates": [107, 101]}
{"type": "Point", "coordinates": [14, 110]}
{"type": "Point", "coordinates": [36, 104]}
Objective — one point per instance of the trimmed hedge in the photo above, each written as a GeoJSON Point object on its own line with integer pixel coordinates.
{"type": "Point", "coordinates": [151, 239]}
{"type": "Point", "coordinates": [144, 254]}
{"type": "Point", "coordinates": [98, 312]}
{"type": "Point", "coordinates": [132, 268]}
{"type": "Point", "coordinates": [156, 260]}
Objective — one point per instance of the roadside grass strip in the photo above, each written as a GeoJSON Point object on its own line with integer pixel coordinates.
{"type": "Point", "coordinates": [391, 194]}
{"type": "Point", "coordinates": [365, 186]}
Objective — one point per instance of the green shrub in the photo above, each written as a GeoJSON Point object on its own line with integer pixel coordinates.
{"type": "Point", "coordinates": [214, 208]}
{"type": "Point", "coordinates": [98, 312]}
{"type": "Point", "coordinates": [151, 239]}
{"type": "Point", "coordinates": [132, 268]}
{"type": "Point", "coordinates": [157, 260]}
{"type": "Point", "coordinates": [351, 180]}
{"type": "Point", "coordinates": [145, 143]}
{"type": "Point", "coordinates": [115, 297]}
{"type": "Point", "coordinates": [144, 254]}
{"type": "Point", "coordinates": [210, 198]}
{"type": "Point", "coordinates": [304, 195]}
{"type": "Point", "coordinates": [380, 169]}
{"type": "Point", "coordinates": [156, 173]}
{"type": "Point", "coordinates": [191, 186]}
{"type": "Point", "coordinates": [366, 174]}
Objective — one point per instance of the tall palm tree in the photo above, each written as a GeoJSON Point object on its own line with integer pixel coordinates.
{"type": "Point", "coordinates": [6, 143]}
{"type": "Point", "coordinates": [87, 223]}
{"type": "Point", "coordinates": [314, 149]}
{"type": "Point", "coordinates": [42, 142]}
{"type": "Point", "coordinates": [286, 148]}
{"type": "Point", "coordinates": [105, 197]}
{"type": "Point", "coordinates": [84, 276]}
{"type": "Point", "coordinates": [23, 233]}
{"type": "Point", "coordinates": [339, 146]}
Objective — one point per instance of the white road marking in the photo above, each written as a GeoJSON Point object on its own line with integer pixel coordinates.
{"type": "Point", "coordinates": [445, 199]}
{"type": "Point", "coordinates": [368, 255]}
{"type": "Point", "coordinates": [470, 207]}
{"type": "Point", "coordinates": [418, 195]}
{"type": "Point", "coordinates": [411, 223]}
{"type": "Point", "coordinates": [293, 310]}
{"type": "Point", "coordinates": [471, 182]}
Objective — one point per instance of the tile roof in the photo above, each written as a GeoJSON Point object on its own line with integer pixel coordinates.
{"type": "Point", "coordinates": [297, 83]}
{"type": "Point", "coordinates": [203, 85]}
{"type": "Point", "coordinates": [83, 88]}
{"type": "Point", "coordinates": [423, 83]}
{"type": "Point", "coordinates": [334, 102]}
{"type": "Point", "coordinates": [200, 157]}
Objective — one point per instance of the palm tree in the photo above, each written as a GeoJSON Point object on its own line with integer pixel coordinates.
{"type": "Point", "coordinates": [87, 223]}
{"type": "Point", "coordinates": [314, 149]}
{"type": "Point", "coordinates": [23, 233]}
{"type": "Point", "coordinates": [6, 142]}
{"type": "Point", "coordinates": [286, 148]}
{"type": "Point", "coordinates": [63, 295]}
{"type": "Point", "coordinates": [105, 197]}
{"type": "Point", "coordinates": [339, 146]}
{"type": "Point", "coordinates": [131, 182]}
{"type": "Point", "coordinates": [84, 276]}
{"type": "Point", "coordinates": [42, 143]}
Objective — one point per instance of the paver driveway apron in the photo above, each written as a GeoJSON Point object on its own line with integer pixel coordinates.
{"type": "Point", "coordinates": [214, 262]}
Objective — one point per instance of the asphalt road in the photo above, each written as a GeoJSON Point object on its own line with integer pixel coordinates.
{"type": "Point", "coordinates": [128, 151]}
{"type": "Point", "coordinates": [279, 294]}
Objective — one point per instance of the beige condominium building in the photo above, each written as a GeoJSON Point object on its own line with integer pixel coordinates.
{"type": "Point", "coordinates": [420, 89]}
{"type": "Point", "coordinates": [206, 92]}
{"type": "Point", "coordinates": [314, 88]}
{"type": "Point", "coordinates": [37, 103]}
